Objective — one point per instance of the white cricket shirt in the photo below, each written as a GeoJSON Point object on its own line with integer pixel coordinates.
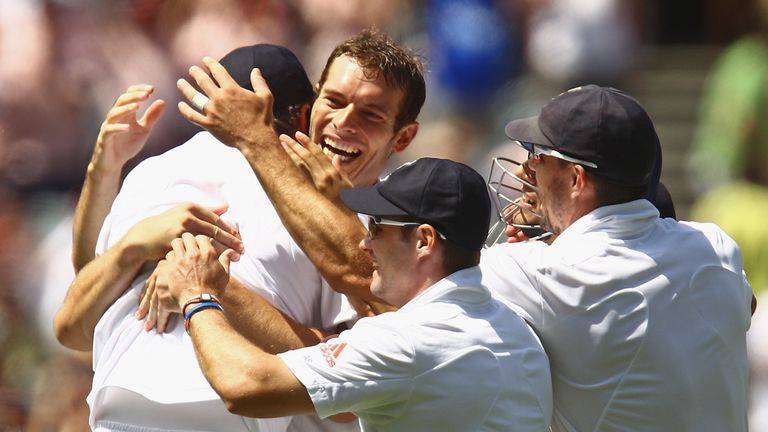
{"type": "Point", "coordinates": [162, 368]}
{"type": "Point", "coordinates": [644, 320]}
{"type": "Point", "coordinates": [451, 359]}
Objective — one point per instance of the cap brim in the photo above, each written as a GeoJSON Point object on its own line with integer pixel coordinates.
{"type": "Point", "coordinates": [526, 131]}
{"type": "Point", "coordinates": [368, 200]}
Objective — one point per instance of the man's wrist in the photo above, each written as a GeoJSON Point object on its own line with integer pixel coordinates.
{"type": "Point", "coordinates": [197, 304]}
{"type": "Point", "coordinates": [131, 254]}
{"type": "Point", "coordinates": [263, 137]}
{"type": "Point", "coordinates": [194, 299]}
{"type": "Point", "coordinates": [100, 170]}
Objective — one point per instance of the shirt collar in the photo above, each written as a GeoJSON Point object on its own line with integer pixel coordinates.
{"type": "Point", "coordinates": [463, 286]}
{"type": "Point", "coordinates": [618, 220]}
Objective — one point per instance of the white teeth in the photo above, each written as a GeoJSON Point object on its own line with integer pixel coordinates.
{"type": "Point", "coordinates": [332, 147]}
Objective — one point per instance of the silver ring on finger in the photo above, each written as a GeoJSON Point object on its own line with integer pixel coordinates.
{"type": "Point", "coordinates": [199, 101]}
{"type": "Point", "coordinates": [215, 232]}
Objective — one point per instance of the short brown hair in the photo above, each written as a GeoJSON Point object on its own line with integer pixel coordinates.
{"type": "Point", "coordinates": [376, 53]}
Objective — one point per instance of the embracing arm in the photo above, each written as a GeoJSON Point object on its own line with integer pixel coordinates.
{"type": "Point", "coordinates": [263, 324]}
{"type": "Point", "coordinates": [105, 278]}
{"type": "Point", "coordinates": [250, 381]}
{"type": "Point", "coordinates": [94, 289]}
{"type": "Point", "coordinates": [121, 137]}
{"type": "Point", "coordinates": [326, 231]}
{"type": "Point", "coordinates": [250, 314]}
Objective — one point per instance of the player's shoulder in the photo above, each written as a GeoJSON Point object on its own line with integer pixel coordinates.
{"type": "Point", "coordinates": [721, 243]}
{"type": "Point", "coordinates": [713, 232]}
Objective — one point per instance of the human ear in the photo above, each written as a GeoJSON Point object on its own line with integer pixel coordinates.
{"type": "Point", "coordinates": [580, 181]}
{"type": "Point", "coordinates": [404, 137]}
{"type": "Point", "coordinates": [302, 120]}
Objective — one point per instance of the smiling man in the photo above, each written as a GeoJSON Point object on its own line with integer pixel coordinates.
{"type": "Point", "coordinates": [364, 112]}
{"type": "Point", "coordinates": [369, 96]}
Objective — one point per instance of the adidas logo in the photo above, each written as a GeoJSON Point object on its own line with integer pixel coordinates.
{"type": "Point", "coordinates": [332, 351]}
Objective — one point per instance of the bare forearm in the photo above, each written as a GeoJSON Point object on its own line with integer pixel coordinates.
{"type": "Point", "coordinates": [121, 137]}
{"type": "Point", "coordinates": [94, 289]}
{"type": "Point", "coordinates": [263, 324]}
{"type": "Point", "coordinates": [324, 229]}
{"type": "Point", "coordinates": [250, 381]}
{"type": "Point", "coordinates": [98, 193]}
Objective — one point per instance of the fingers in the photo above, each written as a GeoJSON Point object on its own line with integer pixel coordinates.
{"type": "Point", "coordinates": [294, 146]}
{"type": "Point", "coordinates": [151, 321]}
{"type": "Point", "coordinates": [134, 94]}
{"type": "Point", "coordinates": [304, 139]}
{"type": "Point", "coordinates": [212, 216]}
{"type": "Point", "coordinates": [220, 248]}
{"type": "Point", "coordinates": [187, 111]}
{"type": "Point", "coordinates": [163, 318]}
{"type": "Point", "coordinates": [140, 88]}
{"type": "Point", "coordinates": [190, 244]}
{"type": "Point", "coordinates": [298, 150]}
{"type": "Point", "coordinates": [203, 80]}
{"type": "Point", "coordinates": [219, 73]}
{"type": "Point", "coordinates": [225, 234]}
{"type": "Point", "coordinates": [152, 114]}
{"type": "Point", "coordinates": [515, 235]}
{"type": "Point", "coordinates": [210, 223]}
{"type": "Point", "coordinates": [146, 295]}
{"type": "Point", "coordinates": [225, 259]}
{"type": "Point", "coordinates": [259, 83]}
{"type": "Point", "coordinates": [166, 308]}
{"type": "Point", "coordinates": [177, 249]}
{"type": "Point", "coordinates": [120, 112]}
{"type": "Point", "coordinates": [293, 149]}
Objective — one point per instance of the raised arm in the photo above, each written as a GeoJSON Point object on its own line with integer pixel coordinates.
{"type": "Point", "coordinates": [121, 137]}
{"type": "Point", "coordinates": [326, 231]}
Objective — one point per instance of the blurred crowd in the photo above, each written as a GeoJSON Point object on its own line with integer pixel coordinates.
{"type": "Point", "coordinates": [63, 62]}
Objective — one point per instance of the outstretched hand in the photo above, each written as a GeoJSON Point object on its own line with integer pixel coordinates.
{"type": "Point", "coordinates": [234, 115]}
{"type": "Point", "coordinates": [122, 134]}
{"type": "Point", "coordinates": [309, 157]}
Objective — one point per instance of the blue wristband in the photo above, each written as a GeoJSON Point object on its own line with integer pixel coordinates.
{"type": "Point", "coordinates": [197, 308]}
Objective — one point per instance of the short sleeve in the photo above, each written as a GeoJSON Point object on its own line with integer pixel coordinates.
{"type": "Point", "coordinates": [368, 369]}
{"type": "Point", "coordinates": [509, 272]}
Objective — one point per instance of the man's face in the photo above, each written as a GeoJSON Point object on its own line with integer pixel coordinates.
{"type": "Point", "coordinates": [549, 176]}
{"type": "Point", "coordinates": [353, 120]}
{"type": "Point", "coordinates": [393, 259]}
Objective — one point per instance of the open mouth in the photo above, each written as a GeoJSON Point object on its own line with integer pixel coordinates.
{"type": "Point", "coordinates": [334, 149]}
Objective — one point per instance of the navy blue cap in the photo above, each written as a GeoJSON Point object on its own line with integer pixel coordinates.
{"type": "Point", "coordinates": [597, 124]}
{"type": "Point", "coordinates": [450, 196]}
{"type": "Point", "coordinates": [282, 71]}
